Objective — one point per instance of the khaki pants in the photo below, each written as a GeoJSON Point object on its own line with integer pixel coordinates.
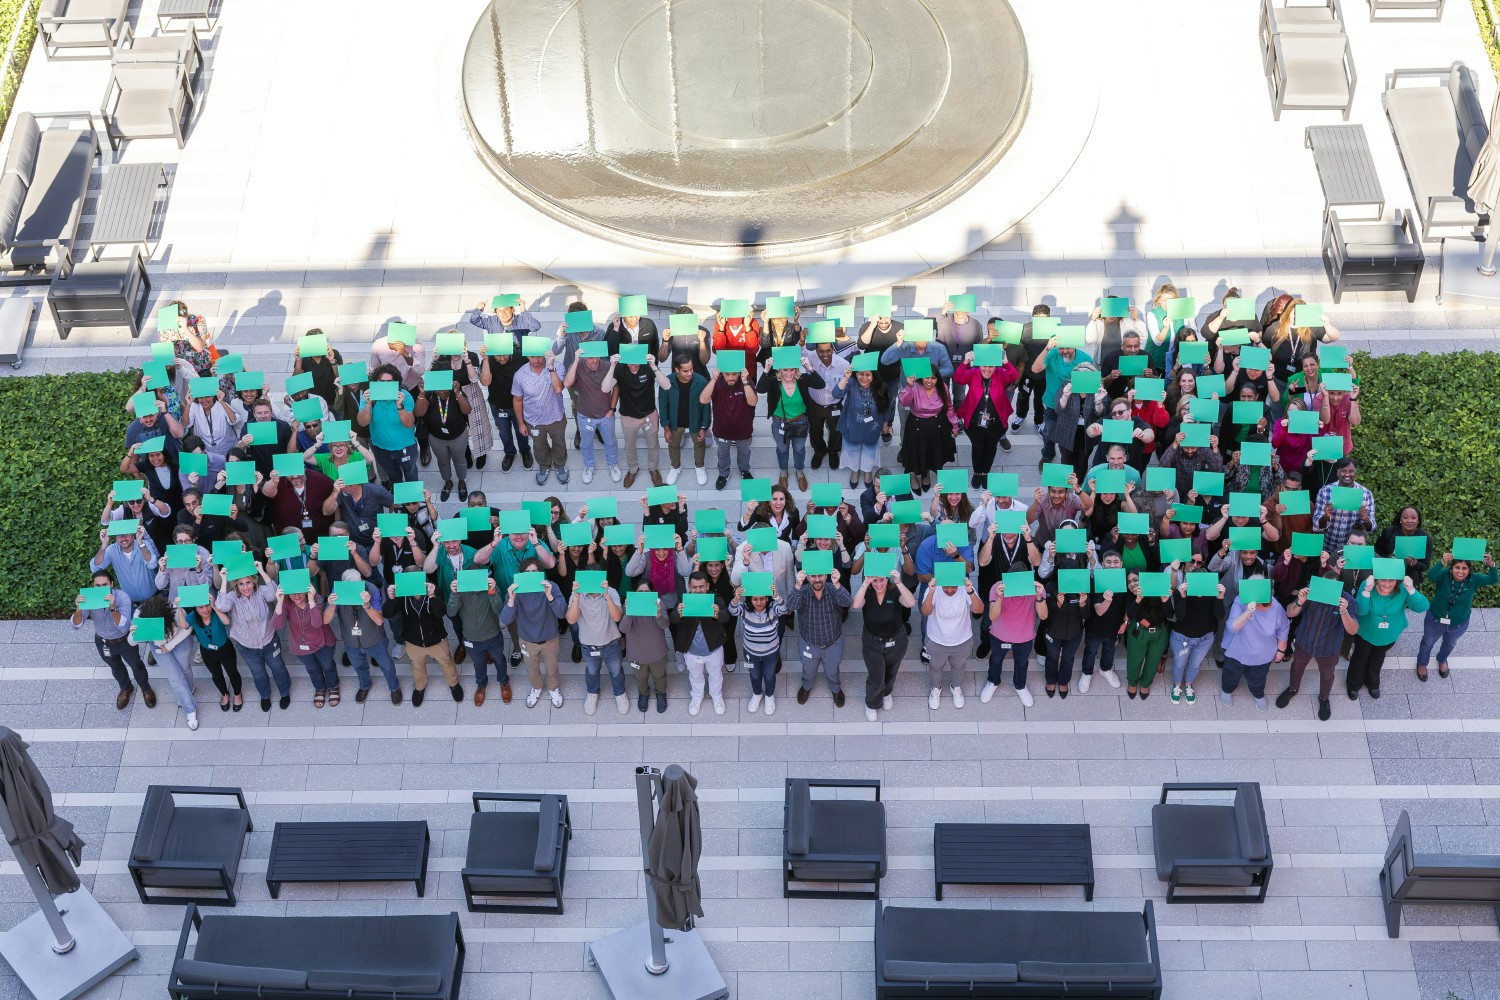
{"type": "Point", "coordinates": [633, 428]}
{"type": "Point", "coordinates": [419, 655]}
{"type": "Point", "coordinates": [650, 673]}
{"type": "Point", "coordinates": [549, 442]}
{"type": "Point", "coordinates": [674, 447]}
{"type": "Point", "coordinates": [537, 655]}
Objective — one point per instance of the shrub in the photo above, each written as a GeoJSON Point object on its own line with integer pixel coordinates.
{"type": "Point", "coordinates": [62, 441]}
{"type": "Point", "coordinates": [10, 73]}
{"type": "Point", "coordinates": [1428, 438]}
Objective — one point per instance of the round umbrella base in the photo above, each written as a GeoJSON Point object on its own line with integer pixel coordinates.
{"type": "Point", "coordinates": [623, 959]}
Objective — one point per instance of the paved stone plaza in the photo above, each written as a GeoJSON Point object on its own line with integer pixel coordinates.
{"type": "Point", "coordinates": [325, 184]}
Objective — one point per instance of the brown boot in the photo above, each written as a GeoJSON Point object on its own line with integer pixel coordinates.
{"type": "Point", "coordinates": [505, 692]}
{"type": "Point", "coordinates": [149, 697]}
{"type": "Point", "coordinates": [801, 481]}
{"type": "Point", "coordinates": [461, 655]}
{"type": "Point", "coordinates": [123, 698]}
{"type": "Point", "coordinates": [629, 479]}
{"type": "Point", "coordinates": [782, 480]}
{"type": "Point", "coordinates": [478, 697]}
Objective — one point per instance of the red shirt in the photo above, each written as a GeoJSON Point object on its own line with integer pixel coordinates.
{"type": "Point", "coordinates": [737, 335]}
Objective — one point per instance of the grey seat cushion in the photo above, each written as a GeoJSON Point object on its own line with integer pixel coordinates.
{"type": "Point", "coordinates": [400, 946]}
{"type": "Point", "coordinates": [1248, 813]}
{"type": "Point", "coordinates": [844, 826]}
{"type": "Point", "coordinates": [65, 33]}
{"type": "Point", "coordinates": [206, 835]}
{"type": "Point", "coordinates": [949, 972]}
{"type": "Point", "coordinates": [214, 973]}
{"type": "Point", "coordinates": [505, 841]}
{"type": "Point", "coordinates": [1434, 150]}
{"type": "Point", "coordinates": [54, 196]}
{"type": "Point", "coordinates": [968, 937]}
{"type": "Point", "coordinates": [25, 136]}
{"type": "Point", "coordinates": [1194, 832]}
{"type": "Point", "coordinates": [1314, 66]}
{"type": "Point", "coordinates": [1378, 241]}
{"type": "Point", "coordinates": [1307, 19]}
{"type": "Point", "coordinates": [1087, 972]}
{"type": "Point", "coordinates": [343, 982]}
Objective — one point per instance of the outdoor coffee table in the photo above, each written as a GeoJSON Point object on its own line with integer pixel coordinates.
{"type": "Point", "coordinates": [375, 851]}
{"type": "Point", "coordinates": [1012, 854]}
{"type": "Point", "coordinates": [127, 202]}
{"type": "Point", "coordinates": [184, 10]}
{"type": "Point", "coordinates": [1345, 167]}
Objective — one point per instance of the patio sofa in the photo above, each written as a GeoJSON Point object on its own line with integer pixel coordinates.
{"type": "Point", "coordinates": [1439, 128]}
{"type": "Point", "coordinates": [42, 187]}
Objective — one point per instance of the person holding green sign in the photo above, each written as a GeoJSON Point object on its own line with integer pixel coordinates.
{"type": "Point", "coordinates": [1380, 609]}
{"type": "Point", "coordinates": [173, 647]}
{"type": "Point", "coordinates": [1337, 520]}
{"type": "Point", "coordinates": [1196, 617]}
{"type": "Point", "coordinates": [1255, 636]}
{"type": "Point", "coordinates": [1074, 412]}
{"type": "Point", "coordinates": [1057, 364]}
{"type": "Point", "coordinates": [322, 366]}
{"type": "Point", "coordinates": [312, 640]}
{"type": "Point", "coordinates": [786, 384]}
{"type": "Point", "coordinates": [929, 430]}
{"type": "Point", "coordinates": [985, 411]}
{"type": "Point", "coordinates": [594, 411]}
{"type": "Point", "coordinates": [684, 417]}
{"type": "Point", "coordinates": [760, 622]}
{"type": "Point", "coordinates": [1014, 614]}
{"type": "Point", "coordinates": [1290, 342]}
{"type": "Point", "coordinates": [884, 604]}
{"type": "Point", "coordinates": [133, 558]}
{"type": "Point", "coordinates": [497, 375]}
{"type": "Point", "coordinates": [246, 607]}
{"type": "Point", "coordinates": [1406, 539]}
{"type": "Point", "coordinates": [1105, 625]}
{"type": "Point", "coordinates": [823, 406]}
{"type": "Point", "coordinates": [1452, 607]}
{"type": "Point", "coordinates": [597, 614]}
{"type": "Point", "coordinates": [862, 400]}
{"type": "Point", "coordinates": [389, 411]}
{"type": "Point", "coordinates": [878, 336]}
{"type": "Point", "coordinates": [635, 379]}
{"type": "Point", "coordinates": [948, 632]}
{"type": "Point", "coordinates": [1120, 337]}
{"type": "Point", "coordinates": [699, 637]}
{"type": "Point", "coordinates": [467, 382]}
{"type": "Point", "coordinates": [537, 401]}
{"type": "Point", "coordinates": [1146, 634]}
{"type": "Point", "coordinates": [111, 617]}
{"type": "Point", "coordinates": [1321, 622]}
{"type": "Point", "coordinates": [732, 400]}
{"type": "Point", "coordinates": [534, 607]}
{"type": "Point", "coordinates": [1340, 414]}
{"type": "Point", "coordinates": [819, 603]}
{"type": "Point", "coordinates": [645, 630]}
{"type": "Point", "coordinates": [445, 414]}
{"type": "Point", "coordinates": [510, 316]}
{"type": "Point", "coordinates": [363, 628]}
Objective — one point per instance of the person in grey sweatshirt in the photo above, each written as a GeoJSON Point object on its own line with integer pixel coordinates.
{"type": "Point", "coordinates": [536, 616]}
{"type": "Point", "coordinates": [646, 652]}
{"type": "Point", "coordinates": [478, 613]}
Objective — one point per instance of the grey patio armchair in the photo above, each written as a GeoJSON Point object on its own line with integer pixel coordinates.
{"type": "Point", "coordinates": [189, 846]}
{"type": "Point", "coordinates": [1211, 844]}
{"type": "Point", "coordinates": [832, 840]}
{"type": "Point", "coordinates": [517, 854]}
{"type": "Point", "coordinates": [147, 100]}
{"type": "Point", "coordinates": [1373, 256]}
{"type": "Point", "coordinates": [1311, 71]}
{"type": "Point", "coordinates": [81, 24]}
{"type": "Point", "coordinates": [180, 47]}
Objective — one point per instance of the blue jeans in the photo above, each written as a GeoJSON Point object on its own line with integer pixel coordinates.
{"type": "Point", "coordinates": [320, 668]}
{"type": "Point", "coordinates": [381, 654]}
{"type": "Point", "coordinates": [505, 426]}
{"type": "Point", "coordinates": [797, 446]}
{"type": "Point", "coordinates": [1188, 655]}
{"type": "Point", "coordinates": [398, 466]}
{"type": "Point", "coordinates": [1434, 630]}
{"type": "Point", "coordinates": [1254, 674]}
{"type": "Point", "coordinates": [267, 657]}
{"type": "Point", "coordinates": [606, 428]}
{"type": "Point", "coordinates": [177, 664]}
{"type": "Point", "coordinates": [1049, 447]}
{"type": "Point", "coordinates": [762, 670]}
{"type": "Point", "coordinates": [1020, 654]}
{"type": "Point", "coordinates": [609, 656]}
{"type": "Point", "coordinates": [1058, 668]}
{"type": "Point", "coordinates": [492, 648]}
{"type": "Point", "coordinates": [1102, 646]}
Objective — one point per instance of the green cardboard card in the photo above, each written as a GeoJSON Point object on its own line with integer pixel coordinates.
{"type": "Point", "coordinates": [953, 481]}
{"type": "Point", "coordinates": [634, 354]}
{"type": "Point", "coordinates": [1178, 550]}
{"type": "Point", "coordinates": [1337, 381]}
{"type": "Point", "coordinates": [1114, 307]}
{"type": "Point", "coordinates": [168, 318]}
{"type": "Point", "coordinates": [449, 343]}
{"type": "Point", "coordinates": [539, 512]}
{"type": "Point", "coordinates": [127, 490]}
{"type": "Point", "coordinates": [1084, 382]}
{"type": "Point", "coordinates": [1186, 513]}
{"type": "Point", "coordinates": [843, 315]}
{"type": "Point", "coordinates": [239, 473]}
{"type": "Point", "coordinates": [1109, 580]}
{"type": "Point", "coordinates": [1204, 410]}
{"type": "Point", "coordinates": [632, 305]}
{"type": "Point", "coordinates": [1295, 501]}
{"type": "Point", "coordinates": [1160, 478]}
{"type": "Point", "coordinates": [294, 581]}
{"type": "Point", "coordinates": [337, 431]}
{"type": "Point", "coordinates": [224, 550]}
{"type": "Point", "coordinates": [734, 308]}
{"type": "Point", "coordinates": [949, 574]}
{"type": "Point", "coordinates": [404, 493]}
{"type": "Point", "coordinates": [596, 349]}
{"type": "Point", "coordinates": [989, 355]}
{"type": "Point", "coordinates": [348, 593]}
{"type": "Point", "coordinates": [284, 546]}
{"type": "Point", "coordinates": [817, 562]}
{"type": "Point", "coordinates": [1008, 331]}
{"type": "Point", "coordinates": [780, 307]}
{"type": "Point", "coordinates": [1044, 328]}
{"type": "Point", "coordinates": [1235, 337]}
{"type": "Point", "coordinates": [576, 533]}
{"type": "Point", "coordinates": [1150, 390]}
{"type": "Point", "coordinates": [95, 597]}
{"type": "Point", "coordinates": [1333, 356]}
{"type": "Point", "coordinates": [920, 331]}
{"type": "Point", "coordinates": [1325, 590]}
{"type": "Point", "coordinates": [1069, 336]}
{"type": "Point", "coordinates": [477, 518]}
{"type": "Point", "coordinates": [1255, 590]}
{"type": "Point", "coordinates": [1073, 581]}
{"type": "Point", "coordinates": [642, 604]}
{"type": "Point", "coordinates": [1021, 583]}
{"type": "Point", "coordinates": [205, 387]}
{"type": "Point", "coordinates": [1469, 549]}
{"type": "Point", "coordinates": [143, 404]}
{"type": "Point", "coordinates": [883, 536]}
{"type": "Point", "coordinates": [193, 596]}
{"type": "Point", "coordinates": [1307, 543]}
{"type": "Point", "coordinates": [1192, 352]}
{"type": "Point", "coordinates": [916, 367]}
{"type": "Point", "coordinates": [530, 583]}
{"type": "Point", "coordinates": [1359, 557]}
{"type": "Point", "coordinates": [877, 306]}
{"type": "Point", "coordinates": [684, 325]}
{"type": "Point", "coordinates": [1389, 569]}
{"type": "Point", "coordinates": [658, 495]}
{"type": "Point", "coordinates": [392, 525]}
{"type": "Point", "coordinates": [1307, 315]}
{"type": "Point", "coordinates": [895, 484]}
{"type": "Point", "coordinates": [1239, 310]}
{"type": "Point", "coordinates": [1131, 365]}
{"type": "Point", "coordinates": [579, 321]}
{"type": "Point", "coordinates": [1155, 584]}
{"type": "Point", "coordinates": [499, 345]}
{"type": "Point", "coordinates": [786, 357]}
{"type": "Point", "coordinates": [1302, 422]}
{"type": "Point", "coordinates": [966, 302]}
{"type": "Point", "coordinates": [262, 432]}
{"type": "Point", "coordinates": [1347, 497]}
{"type": "Point", "coordinates": [385, 391]}
{"type": "Point", "coordinates": [1244, 505]}
{"type": "Point", "coordinates": [660, 536]}
{"type": "Point", "coordinates": [1056, 475]}
{"type": "Point", "coordinates": [1246, 539]}
{"type": "Point", "coordinates": [1133, 524]}
{"type": "Point", "coordinates": [619, 534]}
{"type": "Point", "coordinates": [354, 373]}
{"type": "Point", "coordinates": [1203, 585]}
{"type": "Point", "coordinates": [698, 605]}
{"type": "Point", "coordinates": [333, 548]}
{"type": "Point", "coordinates": [1208, 484]}
{"type": "Point", "coordinates": [878, 564]}
{"type": "Point", "coordinates": [713, 550]}
{"type": "Point", "coordinates": [413, 583]}
{"type": "Point", "coordinates": [1255, 359]}
{"type": "Point", "coordinates": [1003, 484]}
{"type": "Point", "coordinates": [535, 347]}
{"type": "Point", "coordinates": [307, 410]}
{"type": "Point", "coordinates": [824, 495]}
{"type": "Point", "coordinates": [452, 529]}
{"type": "Point", "coordinates": [1071, 540]}
{"type": "Point", "coordinates": [1011, 521]}
{"type": "Point", "coordinates": [956, 535]}
{"type": "Point", "coordinates": [241, 566]}
{"type": "Point", "coordinates": [150, 629]}
{"type": "Point", "coordinates": [730, 361]}
{"type": "Point", "coordinates": [505, 300]}
{"type": "Point", "coordinates": [302, 382]}
{"type": "Point", "coordinates": [312, 345]}
{"type": "Point", "coordinates": [758, 490]}
{"type": "Point", "coordinates": [250, 382]}
{"type": "Point", "coordinates": [182, 556]}
{"type": "Point", "coordinates": [591, 581]}
{"type": "Point", "coordinates": [1328, 447]}
{"type": "Point", "coordinates": [762, 539]}
{"type": "Point", "coordinates": [822, 331]}
{"type": "Point", "coordinates": [217, 504]}
{"type": "Point", "coordinates": [355, 472]}
{"type": "Point", "coordinates": [1210, 386]}
{"type": "Point", "coordinates": [433, 381]}
{"type": "Point", "coordinates": [1182, 309]}
{"type": "Point", "coordinates": [1110, 481]}
{"type": "Point", "coordinates": [867, 361]}
{"type": "Point", "coordinates": [1255, 453]}
{"type": "Point", "coordinates": [1247, 411]}
{"type": "Point", "coordinates": [822, 526]}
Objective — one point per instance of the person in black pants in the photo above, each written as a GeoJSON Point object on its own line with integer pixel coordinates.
{"type": "Point", "coordinates": [111, 629]}
{"type": "Point", "coordinates": [1030, 388]}
{"type": "Point", "coordinates": [886, 602]}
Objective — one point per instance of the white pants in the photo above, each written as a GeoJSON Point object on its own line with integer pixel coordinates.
{"type": "Point", "coordinates": [713, 666]}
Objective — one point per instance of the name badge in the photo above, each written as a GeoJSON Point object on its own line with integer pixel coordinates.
{"type": "Point", "coordinates": [304, 648]}
{"type": "Point", "coordinates": [1444, 621]}
{"type": "Point", "coordinates": [807, 651]}
{"type": "Point", "coordinates": [307, 522]}
{"type": "Point", "coordinates": [891, 644]}
{"type": "Point", "coordinates": [1383, 625]}
{"type": "Point", "coordinates": [468, 643]}
{"type": "Point", "coordinates": [1005, 645]}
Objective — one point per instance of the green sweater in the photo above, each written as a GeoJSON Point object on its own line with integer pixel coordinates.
{"type": "Point", "coordinates": [1453, 600]}
{"type": "Point", "coordinates": [1374, 610]}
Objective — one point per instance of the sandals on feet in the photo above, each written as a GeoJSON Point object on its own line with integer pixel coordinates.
{"type": "Point", "coordinates": [333, 697]}
{"type": "Point", "coordinates": [318, 699]}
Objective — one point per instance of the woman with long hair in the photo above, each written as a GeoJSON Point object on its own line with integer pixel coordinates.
{"type": "Point", "coordinates": [927, 434]}
{"type": "Point", "coordinates": [865, 402]}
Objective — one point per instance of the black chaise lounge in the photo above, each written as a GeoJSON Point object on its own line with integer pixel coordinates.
{"type": "Point", "coordinates": [189, 846]}
{"type": "Point", "coordinates": [832, 840]}
{"type": "Point", "coordinates": [236, 957]}
{"type": "Point", "coordinates": [922, 953]}
{"type": "Point", "coordinates": [1209, 844]}
{"type": "Point", "coordinates": [1453, 879]}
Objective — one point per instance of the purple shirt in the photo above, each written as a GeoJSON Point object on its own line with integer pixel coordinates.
{"type": "Point", "coordinates": [1256, 642]}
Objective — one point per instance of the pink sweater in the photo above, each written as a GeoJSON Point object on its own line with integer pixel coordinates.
{"type": "Point", "coordinates": [306, 626]}
{"type": "Point", "coordinates": [921, 403]}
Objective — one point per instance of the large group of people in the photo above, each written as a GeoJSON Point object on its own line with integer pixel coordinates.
{"type": "Point", "coordinates": [1199, 499]}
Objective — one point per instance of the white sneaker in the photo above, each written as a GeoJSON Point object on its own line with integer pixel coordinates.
{"type": "Point", "coordinates": [671, 476]}
{"type": "Point", "coordinates": [556, 696]}
{"type": "Point", "coordinates": [622, 704]}
{"type": "Point", "coordinates": [1025, 697]}
{"type": "Point", "coordinates": [192, 721]}
{"type": "Point", "coordinates": [755, 701]}
{"type": "Point", "coordinates": [590, 704]}
{"type": "Point", "coordinates": [1083, 683]}
{"type": "Point", "coordinates": [934, 698]}
{"type": "Point", "coordinates": [614, 473]}
{"type": "Point", "coordinates": [702, 475]}
{"type": "Point", "coordinates": [533, 697]}
{"type": "Point", "coordinates": [770, 705]}
{"type": "Point", "coordinates": [870, 715]}
{"type": "Point", "coordinates": [718, 706]}
{"type": "Point", "coordinates": [888, 703]}
{"type": "Point", "coordinates": [986, 693]}
{"type": "Point", "coordinates": [694, 705]}
{"type": "Point", "coordinates": [958, 696]}
{"type": "Point", "coordinates": [1111, 678]}
{"type": "Point", "coordinates": [588, 474]}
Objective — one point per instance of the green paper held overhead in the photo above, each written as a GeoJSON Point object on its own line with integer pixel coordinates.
{"type": "Point", "coordinates": [759, 584]}
{"type": "Point", "coordinates": [1114, 307]}
{"type": "Point", "coordinates": [1295, 502]}
{"type": "Point", "coordinates": [916, 367]}
{"type": "Point", "coordinates": [1021, 583]}
{"type": "Point", "coordinates": [193, 596]}
{"type": "Point", "coordinates": [1307, 543]}
{"type": "Point", "coordinates": [1203, 585]}
{"type": "Point", "coordinates": [642, 604]}
{"type": "Point", "coordinates": [1155, 584]}
{"type": "Point", "coordinates": [413, 583]}
{"type": "Point", "coordinates": [713, 550]}
{"type": "Point", "coordinates": [1056, 475]}
{"type": "Point", "coordinates": [1109, 580]}
{"type": "Point", "coordinates": [816, 562]}
{"type": "Point", "coordinates": [581, 321]}
{"type": "Point", "coordinates": [1359, 557]}
{"type": "Point", "coordinates": [1255, 590]}
{"type": "Point", "coordinates": [949, 574]}
{"type": "Point", "coordinates": [1323, 590]}
{"type": "Point", "coordinates": [1071, 540]}
{"type": "Point", "coordinates": [284, 546]}
{"type": "Point", "coordinates": [348, 593]}
{"type": "Point", "coordinates": [530, 583]}
{"type": "Point", "coordinates": [1469, 549]}
{"type": "Point", "coordinates": [786, 357]}
{"type": "Point", "coordinates": [698, 605]}
{"type": "Point", "coordinates": [1192, 352]}
{"type": "Point", "coordinates": [405, 493]}
{"type": "Point", "coordinates": [294, 581]}
{"type": "Point", "coordinates": [1073, 581]}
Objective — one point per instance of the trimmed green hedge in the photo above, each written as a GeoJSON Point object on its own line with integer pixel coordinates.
{"type": "Point", "coordinates": [10, 75]}
{"type": "Point", "coordinates": [1430, 437]}
{"type": "Point", "coordinates": [63, 437]}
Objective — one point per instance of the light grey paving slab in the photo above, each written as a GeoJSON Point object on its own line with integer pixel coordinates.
{"type": "Point", "coordinates": [1255, 955]}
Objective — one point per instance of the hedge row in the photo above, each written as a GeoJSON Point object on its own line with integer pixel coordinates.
{"type": "Point", "coordinates": [61, 439]}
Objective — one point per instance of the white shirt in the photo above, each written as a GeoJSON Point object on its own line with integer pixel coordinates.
{"type": "Point", "coordinates": [949, 624]}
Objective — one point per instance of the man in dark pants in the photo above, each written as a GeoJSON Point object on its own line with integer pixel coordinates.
{"type": "Point", "coordinates": [1029, 388]}
{"type": "Point", "coordinates": [111, 627]}
{"type": "Point", "coordinates": [822, 409]}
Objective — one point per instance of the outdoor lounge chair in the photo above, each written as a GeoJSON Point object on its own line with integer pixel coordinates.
{"type": "Point", "coordinates": [1439, 129]}
{"type": "Point", "coordinates": [517, 854]}
{"type": "Point", "coordinates": [147, 100]}
{"type": "Point", "coordinates": [179, 47]}
{"type": "Point", "coordinates": [188, 846]}
{"type": "Point", "coordinates": [1373, 256]}
{"type": "Point", "coordinates": [832, 840]}
{"type": "Point", "coordinates": [1208, 844]}
{"type": "Point", "coordinates": [1408, 878]}
{"type": "Point", "coordinates": [42, 189]}
{"type": "Point", "coordinates": [81, 24]}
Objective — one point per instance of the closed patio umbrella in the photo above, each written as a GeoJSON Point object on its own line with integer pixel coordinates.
{"type": "Point", "coordinates": [41, 837]}
{"type": "Point", "coordinates": [1484, 186]}
{"type": "Point", "coordinates": [674, 850]}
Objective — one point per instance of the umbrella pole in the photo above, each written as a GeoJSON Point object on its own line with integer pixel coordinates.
{"type": "Point", "coordinates": [1487, 262]}
{"type": "Point", "coordinates": [647, 779]}
{"type": "Point", "coordinates": [44, 900]}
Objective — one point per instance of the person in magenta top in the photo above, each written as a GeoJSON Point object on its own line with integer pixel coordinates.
{"type": "Point", "coordinates": [985, 410]}
{"type": "Point", "coordinates": [1013, 624]}
{"type": "Point", "coordinates": [927, 435]}
{"type": "Point", "coordinates": [1291, 449]}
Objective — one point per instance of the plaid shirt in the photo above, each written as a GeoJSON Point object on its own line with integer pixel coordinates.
{"type": "Point", "coordinates": [818, 621]}
{"type": "Point", "coordinates": [1341, 522]}
{"type": "Point", "coordinates": [1321, 632]}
